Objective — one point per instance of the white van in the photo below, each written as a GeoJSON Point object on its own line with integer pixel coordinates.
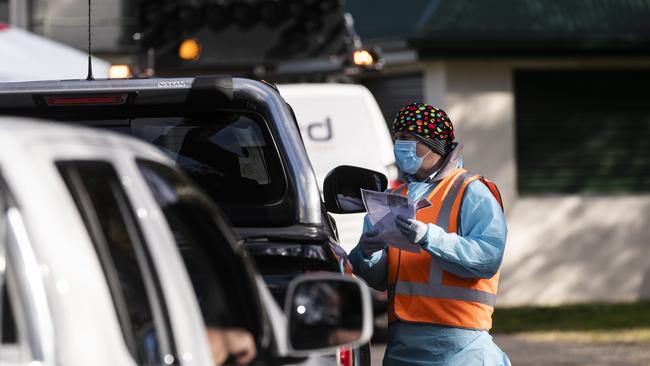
{"type": "Point", "coordinates": [110, 256]}
{"type": "Point", "coordinates": [341, 124]}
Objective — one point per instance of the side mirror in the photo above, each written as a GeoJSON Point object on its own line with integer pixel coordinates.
{"type": "Point", "coordinates": [342, 188]}
{"type": "Point", "coordinates": [325, 312]}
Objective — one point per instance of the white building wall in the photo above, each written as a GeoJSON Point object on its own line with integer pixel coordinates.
{"type": "Point", "coordinates": [435, 84]}
{"type": "Point", "coordinates": [562, 249]}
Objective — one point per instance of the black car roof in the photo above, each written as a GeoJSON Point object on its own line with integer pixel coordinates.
{"type": "Point", "coordinates": [193, 90]}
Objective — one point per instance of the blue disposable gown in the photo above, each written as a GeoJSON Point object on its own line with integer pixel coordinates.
{"type": "Point", "coordinates": [476, 251]}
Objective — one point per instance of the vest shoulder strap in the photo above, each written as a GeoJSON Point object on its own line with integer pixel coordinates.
{"type": "Point", "coordinates": [494, 189]}
{"type": "Point", "coordinates": [466, 179]}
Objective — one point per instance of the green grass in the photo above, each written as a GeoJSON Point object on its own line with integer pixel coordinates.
{"type": "Point", "coordinates": [580, 317]}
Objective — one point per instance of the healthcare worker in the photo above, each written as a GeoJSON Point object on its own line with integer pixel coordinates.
{"type": "Point", "coordinates": [441, 299]}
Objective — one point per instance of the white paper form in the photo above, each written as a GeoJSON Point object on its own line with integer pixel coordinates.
{"type": "Point", "coordinates": [382, 210]}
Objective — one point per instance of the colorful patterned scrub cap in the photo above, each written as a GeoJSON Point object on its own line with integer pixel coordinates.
{"type": "Point", "coordinates": [430, 124]}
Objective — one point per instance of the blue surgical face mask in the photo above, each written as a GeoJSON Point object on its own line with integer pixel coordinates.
{"type": "Point", "coordinates": [406, 156]}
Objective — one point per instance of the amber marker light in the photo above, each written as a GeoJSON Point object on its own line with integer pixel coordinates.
{"type": "Point", "coordinates": [363, 58]}
{"type": "Point", "coordinates": [189, 50]}
{"type": "Point", "coordinates": [119, 72]}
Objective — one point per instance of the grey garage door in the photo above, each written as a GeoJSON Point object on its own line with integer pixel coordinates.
{"type": "Point", "coordinates": [583, 131]}
{"type": "Point", "coordinates": [394, 92]}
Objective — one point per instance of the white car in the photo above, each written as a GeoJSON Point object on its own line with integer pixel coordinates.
{"type": "Point", "coordinates": [91, 224]}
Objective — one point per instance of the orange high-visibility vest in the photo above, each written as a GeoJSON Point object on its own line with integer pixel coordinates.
{"type": "Point", "coordinates": [419, 289]}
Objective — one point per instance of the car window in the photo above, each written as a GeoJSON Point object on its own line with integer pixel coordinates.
{"type": "Point", "coordinates": [232, 155]}
{"type": "Point", "coordinates": [128, 267]}
{"type": "Point", "coordinates": [234, 161]}
{"type": "Point", "coordinates": [222, 282]}
{"type": "Point", "coordinates": [9, 333]}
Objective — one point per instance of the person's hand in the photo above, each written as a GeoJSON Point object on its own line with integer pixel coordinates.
{"type": "Point", "coordinates": [241, 345]}
{"type": "Point", "coordinates": [218, 346]}
{"type": "Point", "coordinates": [414, 230]}
{"type": "Point", "coordinates": [236, 343]}
{"type": "Point", "coordinates": [370, 242]}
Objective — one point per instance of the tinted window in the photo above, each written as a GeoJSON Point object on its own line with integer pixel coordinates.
{"type": "Point", "coordinates": [220, 277]}
{"type": "Point", "coordinates": [8, 329]}
{"type": "Point", "coordinates": [119, 244]}
{"type": "Point", "coordinates": [234, 160]}
{"type": "Point", "coordinates": [231, 154]}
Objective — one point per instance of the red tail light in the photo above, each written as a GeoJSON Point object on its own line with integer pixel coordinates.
{"type": "Point", "coordinates": [56, 101]}
{"type": "Point", "coordinates": [345, 357]}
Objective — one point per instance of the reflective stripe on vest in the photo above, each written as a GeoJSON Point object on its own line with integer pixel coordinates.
{"type": "Point", "coordinates": [445, 292]}
{"type": "Point", "coordinates": [439, 297]}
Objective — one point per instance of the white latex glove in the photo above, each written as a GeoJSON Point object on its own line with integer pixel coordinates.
{"type": "Point", "coordinates": [370, 242]}
{"type": "Point", "coordinates": [414, 230]}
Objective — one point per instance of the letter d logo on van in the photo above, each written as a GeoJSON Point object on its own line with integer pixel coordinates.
{"type": "Point", "coordinates": [320, 131]}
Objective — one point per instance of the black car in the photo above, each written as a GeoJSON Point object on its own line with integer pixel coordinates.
{"type": "Point", "coordinates": [237, 138]}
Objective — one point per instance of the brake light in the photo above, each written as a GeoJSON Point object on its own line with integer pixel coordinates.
{"type": "Point", "coordinates": [345, 357]}
{"type": "Point", "coordinates": [58, 101]}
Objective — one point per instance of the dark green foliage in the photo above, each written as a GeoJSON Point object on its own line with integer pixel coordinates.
{"type": "Point", "coordinates": [581, 317]}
